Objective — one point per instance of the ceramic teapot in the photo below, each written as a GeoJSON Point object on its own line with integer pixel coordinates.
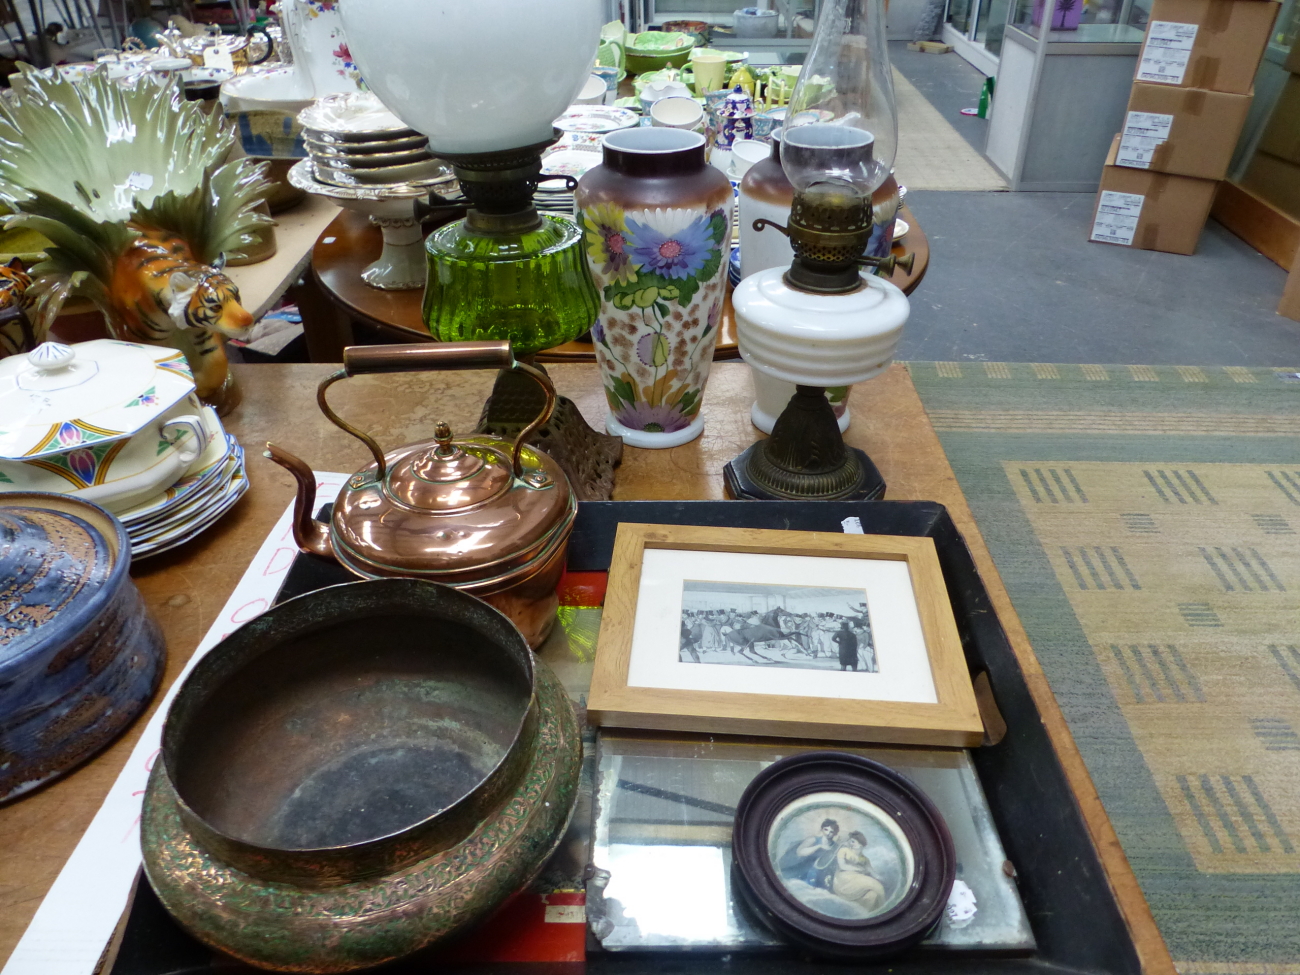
{"type": "Point", "coordinates": [485, 515]}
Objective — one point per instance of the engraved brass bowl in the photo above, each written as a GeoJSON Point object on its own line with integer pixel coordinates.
{"type": "Point", "coordinates": [356, 774]}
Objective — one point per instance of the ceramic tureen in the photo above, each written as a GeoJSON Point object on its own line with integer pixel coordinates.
{"type": "Point", "coordinates": [105, 421]}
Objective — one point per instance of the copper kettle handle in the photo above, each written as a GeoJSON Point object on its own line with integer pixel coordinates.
{"type": "Point", "coordinates": [358, 359]}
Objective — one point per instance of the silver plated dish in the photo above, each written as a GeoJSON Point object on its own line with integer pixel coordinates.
{"type": "Point", "coordinates": [349, 161]}
{"type": "Point", "coordinates": [327, 144]}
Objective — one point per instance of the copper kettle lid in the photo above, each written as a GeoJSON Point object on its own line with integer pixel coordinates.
{"type": "Point", "coordinates": [450, 475]}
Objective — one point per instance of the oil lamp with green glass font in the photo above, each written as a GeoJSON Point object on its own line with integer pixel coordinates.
{"type": "Point", "coordinates": [484, 79]}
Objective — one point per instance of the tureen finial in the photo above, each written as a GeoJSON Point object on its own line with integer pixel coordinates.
{"type": "Point", "coordinates": [50, 356]}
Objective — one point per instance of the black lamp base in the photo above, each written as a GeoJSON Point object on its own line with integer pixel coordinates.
{"type": "Point", "coordinates": [742, 487]}
{"type": "Point", "coordinates": [805, 459]}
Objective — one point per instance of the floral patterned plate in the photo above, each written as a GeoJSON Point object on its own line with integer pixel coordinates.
{"type": "Point", "coordinates": [234, 490]}
{"type": "Point", "coordinates": [201, 474]}
{"type": "Point", "coordinates": [597, 118]}
{"type": "Point", "coordinates": [573, 161]}
{"type": "Point", "coordinates": [196, 508]}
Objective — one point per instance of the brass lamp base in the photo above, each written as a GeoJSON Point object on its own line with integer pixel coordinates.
{"type": "Point", "coordinates": [587, 457]}
{"type": "Point", "coordinates": [805, 459]}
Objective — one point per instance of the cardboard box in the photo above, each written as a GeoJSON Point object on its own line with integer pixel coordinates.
{"type": "Point", "coordinates": [1148, 210]}
{"type": "Point", "coordinates": [1212, 44]}
{"type": "Point", "coordinates": [1184, 131]}
{"type": "Point", "coordinates": [1276, 180]}
{"type": "Point", "coordinates": [1281, 136]}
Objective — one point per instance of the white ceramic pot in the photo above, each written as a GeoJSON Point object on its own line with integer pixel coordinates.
{"type": "Point", "coordinates": [677, 113]}
{"type": "Point", "coordinates": [753, 22]}
{"type": "Point", "coordinates": [475, 76]}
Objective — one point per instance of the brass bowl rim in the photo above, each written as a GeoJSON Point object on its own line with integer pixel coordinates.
{"type": "Point", "coordinates": [334, 597]}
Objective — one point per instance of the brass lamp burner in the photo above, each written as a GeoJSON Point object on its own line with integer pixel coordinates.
{"type": "Point", "coordinates": [829, 229]}
{"type": "Point", "coordinates": [499, 187]}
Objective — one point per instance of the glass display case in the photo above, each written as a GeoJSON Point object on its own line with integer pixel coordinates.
{"type": "Point", "coordinates": [1064, 75]}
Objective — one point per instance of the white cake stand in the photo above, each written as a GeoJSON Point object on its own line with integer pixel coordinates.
{"type": "Point", "coordinates": [391, 208]}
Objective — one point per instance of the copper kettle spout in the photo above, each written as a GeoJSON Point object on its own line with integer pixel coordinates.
{"type": "Point", "coordinates": [310, 535]}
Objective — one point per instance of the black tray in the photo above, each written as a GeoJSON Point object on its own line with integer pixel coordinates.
{"type": "Point", "coordinates": [1069, 902]}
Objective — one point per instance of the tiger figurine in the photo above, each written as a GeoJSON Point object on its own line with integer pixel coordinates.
{"type": "Point", "coordinates": [17, 334]}
{"type": "Point", "coordinates": [161, 295]}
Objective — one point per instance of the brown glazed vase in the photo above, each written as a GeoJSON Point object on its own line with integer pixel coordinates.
{"type": "Point", "coordinates": [657, 226]}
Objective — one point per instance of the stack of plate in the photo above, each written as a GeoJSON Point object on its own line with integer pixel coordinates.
{"type": "Point", "coordinates": [354, 141]}
{"type": "Point", "coordinates": [119, 425]}
{"type": "Point", "coordinates": [573, 155]}
{"type": "Point", "coordinates": [208, 490]}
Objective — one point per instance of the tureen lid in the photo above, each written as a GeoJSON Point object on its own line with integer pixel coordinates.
{"type": "Point", "coordinates": [59, 397]}
{"type": "Point", "coordinates": [453, 510]}
{"type": "Point", "coordinates": [57, 556]}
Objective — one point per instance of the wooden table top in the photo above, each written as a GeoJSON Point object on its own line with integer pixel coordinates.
{"type": "Point", "coordinates": [187, 588]}
{"type": "Point", "coordinates": [351, 242]}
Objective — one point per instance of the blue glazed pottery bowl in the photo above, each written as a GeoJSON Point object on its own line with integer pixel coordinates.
{"type": "Point", "coordinates": [80, 655]}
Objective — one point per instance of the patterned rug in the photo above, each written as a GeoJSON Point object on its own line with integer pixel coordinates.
{"type": "Point", "coordinates": [1146, 522]}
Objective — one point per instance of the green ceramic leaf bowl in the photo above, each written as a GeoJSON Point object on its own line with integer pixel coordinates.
{"type": "Point", "coordinates": [654, 50]}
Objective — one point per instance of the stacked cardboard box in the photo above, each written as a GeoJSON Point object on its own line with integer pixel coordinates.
{"type": "Point", "coordinates": [1190, 98]}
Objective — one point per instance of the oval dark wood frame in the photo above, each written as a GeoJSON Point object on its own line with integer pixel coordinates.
{"type": "Point", "coordinates": [889, 933]}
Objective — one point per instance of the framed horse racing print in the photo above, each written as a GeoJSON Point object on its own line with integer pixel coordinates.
{"type": "Point", "coordinates": [781, 633]}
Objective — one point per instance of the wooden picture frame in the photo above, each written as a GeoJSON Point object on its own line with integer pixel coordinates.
{"type": "Point", "coordinates": [950, 718]}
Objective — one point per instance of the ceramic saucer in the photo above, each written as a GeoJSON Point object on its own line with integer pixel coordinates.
{"type": "Point", "coordinates": [596, 118]}
{"type": "Point", "coordinates": [353, 115]}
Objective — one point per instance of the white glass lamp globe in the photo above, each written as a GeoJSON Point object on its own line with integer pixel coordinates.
{"type": "Point", "coordinates": [475, 76]}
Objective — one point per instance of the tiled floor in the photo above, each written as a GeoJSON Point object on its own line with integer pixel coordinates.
{"type": "Point", "coordinates": [1013, 276]}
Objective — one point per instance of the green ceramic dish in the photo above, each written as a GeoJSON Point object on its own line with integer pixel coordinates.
{"type": "Point", "coordinates": [655, 50]}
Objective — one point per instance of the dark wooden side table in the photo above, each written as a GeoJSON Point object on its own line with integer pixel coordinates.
{"type": "Point", "coordinates": [341, 299]}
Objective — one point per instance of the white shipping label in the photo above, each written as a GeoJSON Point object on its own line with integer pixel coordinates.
{"type": "Point", "coordinates": [1117, 217]}
{"type": "Point", "coordinates": [1144, 133]}
{"type": "Point", "coordinates": [1167, 50]}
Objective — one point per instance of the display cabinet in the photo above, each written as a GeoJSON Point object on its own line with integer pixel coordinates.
{"type": "Point", "coordinates": [1063, 82]}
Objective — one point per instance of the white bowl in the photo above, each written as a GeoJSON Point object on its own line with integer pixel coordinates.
{"type": "Point", "coordinates": [677, 112]}
{"type": "Point", "coordinates": [593, 92]}
{"type": "Point", "coordinates": [745, 153]}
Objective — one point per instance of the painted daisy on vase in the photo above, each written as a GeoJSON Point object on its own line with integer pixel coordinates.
{"type": "Point", "coordinates": [656, 220]}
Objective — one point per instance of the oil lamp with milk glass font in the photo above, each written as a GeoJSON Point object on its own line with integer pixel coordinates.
{"type": "Point", "coordinates": [828, 319]}
{"type": "Point", "coordinates": [484, 80]}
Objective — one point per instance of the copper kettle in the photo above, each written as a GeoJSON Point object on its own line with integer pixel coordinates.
{"type": "Point", "coordinates": [480, 513]}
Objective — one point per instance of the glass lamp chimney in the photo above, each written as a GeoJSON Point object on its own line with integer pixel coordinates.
{"type": "Point", "coordinates": [842, 124]}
